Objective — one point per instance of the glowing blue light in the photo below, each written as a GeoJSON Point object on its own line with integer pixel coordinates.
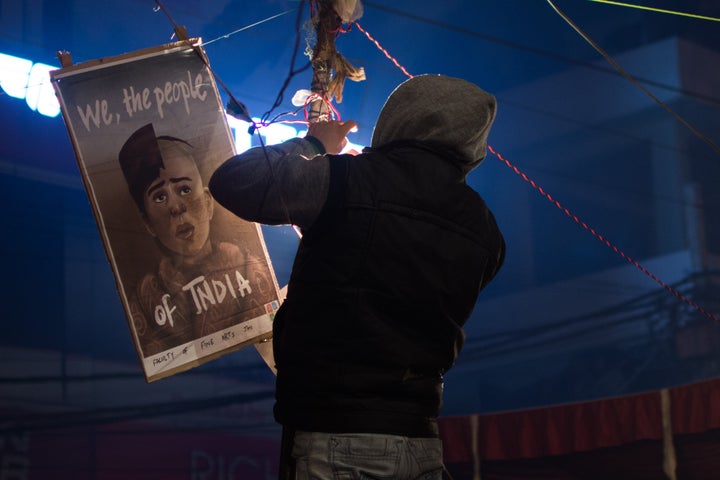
{"type": "Point", "coordinates": [40, 95]}
{"type": "Point", "coordinates": [21, 78]}
{"type": "Point", "coordinates": [272, 134]}
{"type": "Point", "coordinates": [14, 74]}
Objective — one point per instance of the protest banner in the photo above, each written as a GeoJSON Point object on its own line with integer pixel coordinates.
{"type": "Point", "coordinates": [148, 129]}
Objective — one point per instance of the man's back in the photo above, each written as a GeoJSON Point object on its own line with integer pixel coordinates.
{"type": "Point", "coordinates": [382, 284]}
{"type": "Point", "coordinates": [395, 250]}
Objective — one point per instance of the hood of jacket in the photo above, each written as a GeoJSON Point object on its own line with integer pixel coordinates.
{"type": "Point", "coordinates": [443, 111]}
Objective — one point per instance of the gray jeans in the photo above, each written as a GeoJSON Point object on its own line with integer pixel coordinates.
{"type": "Point", "coordinates": [360, 456]}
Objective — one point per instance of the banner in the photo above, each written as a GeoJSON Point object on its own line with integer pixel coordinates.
{"type": "Point", "coordinates": [148, 129]}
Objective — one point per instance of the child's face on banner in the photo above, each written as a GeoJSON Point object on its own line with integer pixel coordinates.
{"type": "Point", "coordinates": [178, 207]}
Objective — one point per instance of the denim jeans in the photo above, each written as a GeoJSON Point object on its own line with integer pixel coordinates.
{"type": "Point", "coordinates": [362, 456]}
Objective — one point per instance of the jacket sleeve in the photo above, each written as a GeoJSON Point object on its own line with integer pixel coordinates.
{"type": "Point", "coordinates": [282, 184]}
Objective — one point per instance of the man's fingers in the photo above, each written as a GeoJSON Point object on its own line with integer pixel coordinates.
{"type": "Point", "coordinates": [349, 126]}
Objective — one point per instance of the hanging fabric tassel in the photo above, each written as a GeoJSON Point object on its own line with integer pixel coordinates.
{"type": "Point", "coordinates": [326, 60]}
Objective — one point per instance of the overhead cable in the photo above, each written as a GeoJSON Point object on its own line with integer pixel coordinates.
{"type": "Point", "coordinates": [632, 80]}
{"type": "Point", "coordinates": [658, 10]}
{"type": "Point", "coordinates": [537, 51]}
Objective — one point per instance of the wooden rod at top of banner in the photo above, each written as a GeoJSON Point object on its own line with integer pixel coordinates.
{"type": "Point", "coordinates": [181, 33]}
{"type": "Point", "coordinates": [65, 58]}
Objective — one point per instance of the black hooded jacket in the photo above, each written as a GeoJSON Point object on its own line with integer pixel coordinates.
{"type": "Point", "coordinates": [380, 289]}
{"type": "Point", "coordinates": [396, 248]}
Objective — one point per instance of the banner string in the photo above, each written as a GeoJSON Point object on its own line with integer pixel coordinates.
{"type": "Point", "coordinates": [600, 237]}
{"type": "Point", "coordinates": [380, 47]}
{"type": "Point", "coordinates": [235, 107]}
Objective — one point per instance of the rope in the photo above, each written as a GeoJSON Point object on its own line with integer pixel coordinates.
{"type": "Point", "coordinates": [571, 215]}
{"type": "Point", "coordinates": [377, 44]}
{"type": "Point", "coordinates": [600, 237]}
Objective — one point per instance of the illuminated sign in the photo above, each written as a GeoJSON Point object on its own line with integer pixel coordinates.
{"type": "Point", "coordinates": [23, 79]}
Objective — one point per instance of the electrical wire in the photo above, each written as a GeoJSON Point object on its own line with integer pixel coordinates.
{"type": "Point", "coordinates": [46, 421]}
{"type": "Point", "coordinates": [591, 230]}
{"type": "Point", "coordinates": [280, 96]}
{"type": "Point", "coordinates": [534, 50]}
{"type": "Point", "coordinates": [228, 35]}
{"type": "Point", "coordinates": [632, 80]}
{"type": "Point", "coordinates": [658, 10]}
{"type": "Point", "coordinates": [278, 102]}
{"type": "Point", "coordinates": [618, 68]}
{"type": "Point", "coordinates": [639, 310]}
{"type": "Point", "coordinates": [238, 109]}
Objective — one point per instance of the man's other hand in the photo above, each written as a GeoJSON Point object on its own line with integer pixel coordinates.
{"type": "Point", "coordinates": [332, 134]}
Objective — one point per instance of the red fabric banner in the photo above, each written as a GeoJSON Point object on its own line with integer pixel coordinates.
{"type": "Point", "coordinates": [579, 427]}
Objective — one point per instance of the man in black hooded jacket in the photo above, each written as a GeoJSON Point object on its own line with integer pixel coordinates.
{"type": "Point", "coordinates": [395, 249]}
